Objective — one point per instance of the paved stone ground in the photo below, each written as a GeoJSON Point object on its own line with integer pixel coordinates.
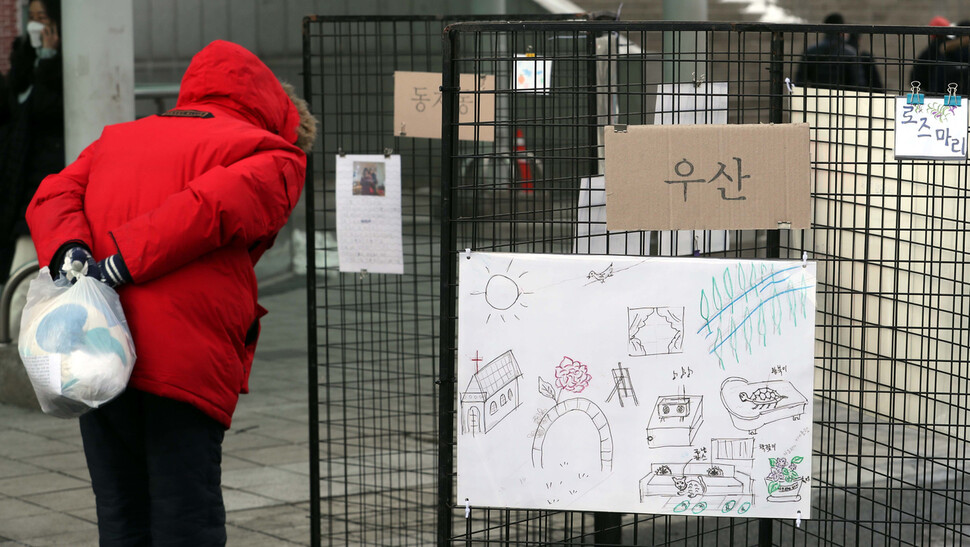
{"type": "Point", "coordinates": [45, 492]}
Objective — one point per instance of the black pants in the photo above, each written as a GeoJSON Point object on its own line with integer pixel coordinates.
{"type": "Point", "coordinates": [155, 466]}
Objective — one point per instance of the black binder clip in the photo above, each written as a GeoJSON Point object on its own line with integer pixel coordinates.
{"type": "Point", "coordinates": [951, 99]}
{"type": "Point", "coordinates": [914, 97]}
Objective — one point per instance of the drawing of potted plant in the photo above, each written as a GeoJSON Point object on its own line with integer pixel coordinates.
{"type": "Point", "coordinates": [783, 479]}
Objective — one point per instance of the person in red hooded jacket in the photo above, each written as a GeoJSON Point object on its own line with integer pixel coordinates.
{"type": "Point", "coordinates": [174, 210]}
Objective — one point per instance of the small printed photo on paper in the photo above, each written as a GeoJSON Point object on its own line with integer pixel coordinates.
{"type": "Point", "coordinates": [532, 74]}
{"type": "Point", "coordinates": [368, 178]}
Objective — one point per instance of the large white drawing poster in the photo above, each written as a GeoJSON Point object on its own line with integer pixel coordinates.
{"type": "Point", "coordinates": [636, 384]}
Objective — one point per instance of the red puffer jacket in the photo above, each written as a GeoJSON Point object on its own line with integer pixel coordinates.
{"type": "Point", "coordinates": [190, 200]}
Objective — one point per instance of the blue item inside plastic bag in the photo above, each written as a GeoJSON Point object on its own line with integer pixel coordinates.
{"type": "Point", "coordinates": [62, 330]}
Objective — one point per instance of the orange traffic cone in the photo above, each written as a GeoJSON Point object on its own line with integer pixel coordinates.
{"type": "Point", "coordinates": [522, 161]}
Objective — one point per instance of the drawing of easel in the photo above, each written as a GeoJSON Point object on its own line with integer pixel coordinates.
{"type": "Point", "coordinates": [622, 386]}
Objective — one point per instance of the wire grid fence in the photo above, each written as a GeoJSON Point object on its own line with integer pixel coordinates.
{"type": "Point", "coordinates": [373, 338]}
{"type": "Point", "coordinates": [891, 386]}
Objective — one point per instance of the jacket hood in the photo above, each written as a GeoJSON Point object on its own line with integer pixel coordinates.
{"type": "Point", "coordinates": [230, 75]}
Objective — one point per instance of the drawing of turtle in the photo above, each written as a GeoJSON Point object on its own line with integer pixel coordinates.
{"type": "Point", "coordinates": [762, 398]}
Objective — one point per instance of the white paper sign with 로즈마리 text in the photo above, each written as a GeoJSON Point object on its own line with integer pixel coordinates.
{"type": "Point", "coordinates": [677, 386]}
{"type": "Point", "coordinates": [932, 130]}
{"type": "Point", "coordinates": [368, 195]}
{"type": "Point", "coordinates": [418, 106]}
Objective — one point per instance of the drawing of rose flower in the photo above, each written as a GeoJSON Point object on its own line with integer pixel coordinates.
{"type": "Point", "coordinates": [572, 375]}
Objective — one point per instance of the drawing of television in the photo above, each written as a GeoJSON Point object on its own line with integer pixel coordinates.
{"type": "Point", "coordinates": [675, 420]}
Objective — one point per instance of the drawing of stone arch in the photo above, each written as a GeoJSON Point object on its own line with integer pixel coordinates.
{"type": "Point", "coordinates": [594, 414]}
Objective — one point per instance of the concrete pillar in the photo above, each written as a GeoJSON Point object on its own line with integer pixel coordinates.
{"type": "Point", "coordinates": [689, 46]}
{"type": "Point", "coordinates": [99, 69]}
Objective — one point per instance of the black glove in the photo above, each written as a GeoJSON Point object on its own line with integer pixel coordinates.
{"type": "Point", "coordinates": [77, 262]}
{"type": "Point", "coordinates": [111, 271]}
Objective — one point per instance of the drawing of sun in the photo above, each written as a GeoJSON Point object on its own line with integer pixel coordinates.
{"type": "Point", "coordinates": [502, 293]}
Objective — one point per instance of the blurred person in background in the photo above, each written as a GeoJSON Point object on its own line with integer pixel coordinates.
{"type": "Point", "coordinates": [32, 137]}
{"type": "Point", "coordinates": [833, 62]}
{"type": "Point", "coordinates": [956, 62]}
{"type": "Point", "coordinates": [929, 71]}
{"type": "Point", "coordinates": [869, 71]}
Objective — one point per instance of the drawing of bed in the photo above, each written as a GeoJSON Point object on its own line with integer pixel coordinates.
{"type": "Point", "coordinates": [692, 480]}
{"type": "Point", "coordinates": [754, 404]}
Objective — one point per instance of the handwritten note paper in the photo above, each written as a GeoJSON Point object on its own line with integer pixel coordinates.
{"type": "Point", "coordinates": [689, 104]}
{"type": "Point", "coordinates": [369, 214]}
{"type": "Point", "coordinates": [591, 234]}
{"type": "Point", "coordinates": [417, 106]}
{"type": "Point", "coordinates": [931, 130]}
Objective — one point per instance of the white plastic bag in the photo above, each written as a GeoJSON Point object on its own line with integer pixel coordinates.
{"type": "Point", "coordinates": [75, 344]}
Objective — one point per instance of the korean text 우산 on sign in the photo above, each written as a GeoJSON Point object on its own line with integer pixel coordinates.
{"type": "Point", "coordinates": [708, 177]}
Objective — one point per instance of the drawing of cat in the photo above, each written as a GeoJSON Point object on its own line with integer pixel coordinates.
{"type": "Point", "coordinates": [693, 487]}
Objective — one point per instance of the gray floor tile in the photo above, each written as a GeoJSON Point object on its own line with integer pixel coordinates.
{"type": "Point", "coordinates": [300, 468]}
{"type": "Point", "coordinates": [89, 514]}
{"type": "Point", "coordinates": [247, 440]}
{"type": "Point", "coordinates": [245, 478]}
{"type": "Point", "coordinates": [239, 537]}
{"type": "Point", "coordinates": [14, 468]}
{"type": "Point", "coordinates": [15, 508]}
{"type": "Point", "coordinates": [238, 500]}
{"type": "Point", "coordinates": [22, 445]}
{"type": "Point", "coordinates": [64, 500]}
{"type": "Point", "coordinates": [87, 537]}
{"type": "Point", "coordinates": [69, 461]}
{"type": "Point", "coordinates": [276, 455]}
{"type": "Point", "coordinates": [232, 463]}
{"type": "Point", "coordinates": [38, 483]}
{"type": "Point", "coordinates": [289, 491]}
{"type": "Point", "coordinates": [31, 529]}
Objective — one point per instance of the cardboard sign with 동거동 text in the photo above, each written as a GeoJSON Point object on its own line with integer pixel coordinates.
{"type": "Point", "coordinates": [708, 177]}
{"type": "Point", "coordinates": [418, 106]}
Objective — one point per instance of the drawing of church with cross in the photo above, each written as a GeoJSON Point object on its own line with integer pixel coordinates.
{"type": "Point", "coordinates": [491, 395]}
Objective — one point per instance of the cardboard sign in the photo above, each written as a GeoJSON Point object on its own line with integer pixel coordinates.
{"type": "Point", "coordinates": [932, 130]}
{"type": "Point", "coordinates": [417, 106]}
{"type": "Point", "coordinates": [707, 177]}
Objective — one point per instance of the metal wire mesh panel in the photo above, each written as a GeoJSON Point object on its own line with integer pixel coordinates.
{"type": "Point", "coordinates": [373, 337]}
{"type": "Point", "coordinates": [890, 389]}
